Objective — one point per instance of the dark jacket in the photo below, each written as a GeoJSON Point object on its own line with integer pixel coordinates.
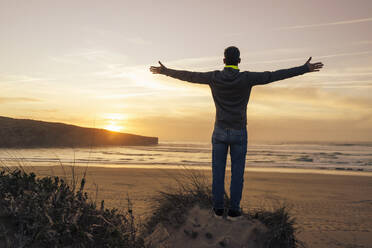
{"type": "Point", "coordinates": [231, 89]}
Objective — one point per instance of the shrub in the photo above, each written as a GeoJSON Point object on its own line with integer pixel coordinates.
{"type": "Point", "coordinates": [47, 212]}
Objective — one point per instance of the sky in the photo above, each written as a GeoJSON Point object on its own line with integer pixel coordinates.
{"type": "Point", "coordinates": [87, 63]}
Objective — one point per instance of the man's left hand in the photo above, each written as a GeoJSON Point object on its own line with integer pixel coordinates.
{"type": "Point", "coordinates": [158, 69]}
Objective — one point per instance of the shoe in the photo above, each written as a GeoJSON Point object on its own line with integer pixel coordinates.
{"type": "Point", "coordinates": [234, 215]}
{"type": "Point", "coordinates": [218, 213]}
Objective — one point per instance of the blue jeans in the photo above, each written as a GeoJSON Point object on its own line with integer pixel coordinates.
{"type": "Point", "coordinates": [222, 139]}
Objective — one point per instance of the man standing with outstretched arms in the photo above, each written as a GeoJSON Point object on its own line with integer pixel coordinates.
{"type": "Point", "coordinates": [231, 90]}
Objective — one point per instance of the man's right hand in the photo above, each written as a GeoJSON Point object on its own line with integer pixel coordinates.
{"type": "Point", "coordinates": [313, 67]}
{"type": "Point", "coordinates": [158, 69]}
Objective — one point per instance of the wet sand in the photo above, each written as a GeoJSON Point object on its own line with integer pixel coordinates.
{"type": "Point", "coordinates": [331, 210]}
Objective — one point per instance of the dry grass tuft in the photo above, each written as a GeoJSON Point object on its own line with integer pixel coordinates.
{"type": "Point", "coordinates": [41, 212]}
{"type": "Point", "coordinates": [193, 188]}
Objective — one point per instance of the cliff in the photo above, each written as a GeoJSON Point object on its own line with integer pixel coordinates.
{"type": "Point", "coordinates": [24, 133]}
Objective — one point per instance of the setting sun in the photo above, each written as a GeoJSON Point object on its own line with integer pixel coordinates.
{"type": "Point", "coordinates": [112, 120]}
{"type": "Point", "coordinates": [113, 127]}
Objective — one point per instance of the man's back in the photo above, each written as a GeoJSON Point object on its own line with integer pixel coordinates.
{"type": "Point", "coordinates": [231, 89]}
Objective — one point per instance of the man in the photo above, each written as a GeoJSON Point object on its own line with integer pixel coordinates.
{"type": "Point", "coordinates": [231, 90]}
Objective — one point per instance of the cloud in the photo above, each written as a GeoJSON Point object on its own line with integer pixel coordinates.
{"type": "Point", "coordinates": [312, 130]}
{"type": "Point", "coordinates": [307, 102]}
{"type": "Point", "coordinates": [350, 84]}
{"type": "Point", "coordinates": [350, 77]}
{"type": "Point", "coordinates": [317, 57]}
{"type": "Point", "coordinates": [139, 41]}
{"type": "Point", "coordinates": [86, 56]}
{"type": "Point", "coordinates": [18, 79]}
{"type": "Point", "coordinates": [17, 99]}
{"type": "Point", "coordinates": [362, 42]}
{"type": "Point", "coordinates": [327, 24]}
{"type": "Point", "coordinates": [124, 37]}
{"type": "Point", "coordinates": [125, 95]}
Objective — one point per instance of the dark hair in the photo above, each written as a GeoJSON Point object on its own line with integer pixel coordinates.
{"type": "Point", "coordinates": [232, 55]}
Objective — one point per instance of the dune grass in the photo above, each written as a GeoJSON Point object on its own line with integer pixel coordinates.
{"type": "Point", "coordinates": [50, 212]}
{"type": "Point", "coordinates": [47, 212]}
{"type": "Point", "coordinates": [282, 227]}
{"type": "Point", "coordinates": [193, 188]}
{"type": "Point", "coordinates": [171, 206]}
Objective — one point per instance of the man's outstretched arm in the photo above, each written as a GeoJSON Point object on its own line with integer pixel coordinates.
{"type": "Point", "coordinates": [266, 77]}
{"type": "Point", "coordinates": [193, 77]}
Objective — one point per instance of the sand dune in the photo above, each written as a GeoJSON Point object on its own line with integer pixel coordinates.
{"type": "Point", "coordinates": [203, 230]}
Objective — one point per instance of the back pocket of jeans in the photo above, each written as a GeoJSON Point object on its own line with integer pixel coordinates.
{"type": "Point", "coordinates": [218, 136]}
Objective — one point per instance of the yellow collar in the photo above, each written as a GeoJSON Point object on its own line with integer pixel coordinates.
{"type": "Point", "coordinates": [232, 66]}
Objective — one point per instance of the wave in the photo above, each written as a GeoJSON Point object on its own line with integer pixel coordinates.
{"type": "Point", "coordinates": [304, 159]}
{"type": "Point", "coordinates": [173, 154]}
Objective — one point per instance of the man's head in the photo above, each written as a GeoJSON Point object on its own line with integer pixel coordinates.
{"type": "Point", "coordinates": [232, 56]}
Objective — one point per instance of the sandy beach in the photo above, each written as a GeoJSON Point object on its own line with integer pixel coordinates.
{"type": "Point", "coordinates": [331, 210]}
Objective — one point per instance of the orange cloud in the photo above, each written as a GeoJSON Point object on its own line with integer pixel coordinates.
{"type": "Point", "coordinates": [18, 99]}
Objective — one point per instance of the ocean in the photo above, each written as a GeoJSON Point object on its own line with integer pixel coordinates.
{"type": "Point", "coordinates": [341, 157]}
